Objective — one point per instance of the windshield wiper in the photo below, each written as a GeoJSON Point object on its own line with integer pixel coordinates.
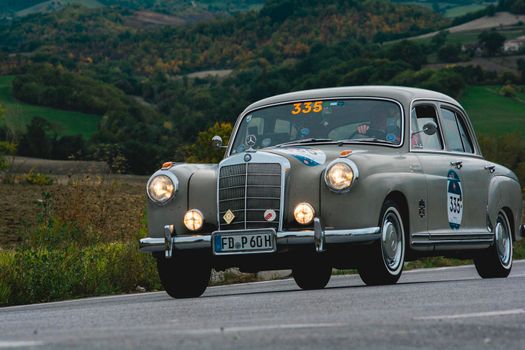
{"type": "Point", "coordinates": [308, 140]}
{"type": "Point", "coordinates": [367, 139]}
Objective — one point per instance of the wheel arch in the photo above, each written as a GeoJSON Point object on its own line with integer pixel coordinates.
{"type": "Point", "coordinates": [505, 194]}
{"type": "Point", "coordinates": [399, 198]}
{"type": "Point", "coordinates": [510, 217]}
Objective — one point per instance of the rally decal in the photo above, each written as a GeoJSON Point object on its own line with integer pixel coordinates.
{"type": "Point", "coordinates": [454, 200]}
{"type": "Point", "coordinates": [307, 156]}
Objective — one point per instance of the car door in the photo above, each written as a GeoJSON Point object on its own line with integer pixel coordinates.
{"type": "Point", "coordinates": [435, 163]}
{"type": "Point", "coordinates": [469, 182]}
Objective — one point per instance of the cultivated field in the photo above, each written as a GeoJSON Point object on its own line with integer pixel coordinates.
{"type": "Point", "coordinates": [493, 114]}
{"type": "Point", "coordinates": [19, 114]}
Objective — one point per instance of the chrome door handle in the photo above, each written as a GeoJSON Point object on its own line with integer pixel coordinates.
{"type": "Point", "coordinates": [490, 168]}
{"type": "Point", "coordinates": [458, 164]}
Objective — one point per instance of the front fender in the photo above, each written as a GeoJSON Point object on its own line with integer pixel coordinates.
{"type": "Point", "coordinates": [198, 179]}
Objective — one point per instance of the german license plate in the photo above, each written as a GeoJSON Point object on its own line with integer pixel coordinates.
{"type": "Point", "coordinates": [249, 241]}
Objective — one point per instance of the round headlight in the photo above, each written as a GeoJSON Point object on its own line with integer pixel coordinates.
{"type": "Point", "coordinates": [161, 189]}
{"type": "Point", "coordinates": [339, 176]}
{"type": "Point", "coordinates": [193, 220]}
{"type": "Point", "coordinates": [304, 213]}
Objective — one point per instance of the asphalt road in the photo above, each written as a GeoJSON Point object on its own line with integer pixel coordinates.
{"type": "Point", "coordinates": [447, 308]}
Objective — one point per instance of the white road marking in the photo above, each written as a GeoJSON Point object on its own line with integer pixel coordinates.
{"type": "Point", "coordinates": [474, 314]}
{"type": "Point", "coordinates": [240, 329]}
{"type": "Point", "coordinates": [18, 344]}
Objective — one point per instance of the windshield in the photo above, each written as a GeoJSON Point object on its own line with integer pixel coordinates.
{"type": "Point", "coordinates": [344, 120]}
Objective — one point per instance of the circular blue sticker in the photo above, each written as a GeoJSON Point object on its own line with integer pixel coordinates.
{"type": "Point", "coordinates": [391, 137]}
{"type": "Point", "coordinates": [305, 131]}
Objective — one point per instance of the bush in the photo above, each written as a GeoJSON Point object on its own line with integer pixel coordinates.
{"type": "Point", "coordinates": [508, 91]}
{"type": "Point", "coordinates": [39, 179]}
{"type": "Point", "coordinates": [32, 275]}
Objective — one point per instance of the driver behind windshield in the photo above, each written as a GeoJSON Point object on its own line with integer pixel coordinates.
{"type": "Point", "coordinates": [382, 125]}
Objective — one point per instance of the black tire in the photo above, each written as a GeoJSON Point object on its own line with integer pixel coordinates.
{"type": "Point", "coordinates": [496, 261]}
{"type": "Point", "coordinates": [377, 265]}
{"type": "Point", "coordinates": [313, 273]}
{"type": "Point", "coordinates": [184, 275]}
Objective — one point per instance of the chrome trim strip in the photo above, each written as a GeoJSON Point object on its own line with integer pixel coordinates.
{"type": "Point", "coordinates": [151, 244]}
{"type": "Point", "coordinates": [456, 241]}
{"type": "Point", "coordinates": [245, 113]}
{"type": "Point", "coordinates": [282, 238]}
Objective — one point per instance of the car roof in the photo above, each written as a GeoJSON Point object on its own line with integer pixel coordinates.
{"type": "Point", "coordinates": [405, 95]}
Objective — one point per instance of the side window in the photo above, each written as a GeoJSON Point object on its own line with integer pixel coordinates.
{"type": "Point", "coordinates": [455, 132]}
{"type": "Point", "coordinates": [451, 131]}
{"type": "Point", "coordinates": [467, 141]}
{"type": "Point", "coordinates": [419, 116]}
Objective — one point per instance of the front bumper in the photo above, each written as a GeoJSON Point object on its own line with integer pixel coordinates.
{"type": "Point", "coordinates": [318, 236]}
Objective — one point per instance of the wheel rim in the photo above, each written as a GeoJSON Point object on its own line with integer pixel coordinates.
{"type": "Point", "coordinates": [503, 240]}
{"type": "Point", "coordinates": [392, 240]}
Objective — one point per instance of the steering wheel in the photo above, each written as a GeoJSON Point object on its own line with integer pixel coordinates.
{"type": "Point", "coordinates": [371, 132]}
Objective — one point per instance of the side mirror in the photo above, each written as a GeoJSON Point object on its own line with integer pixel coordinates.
{"type": "Point", "coordinates": [216, 141]}
{"type": "Point", "coordinates": [430, 128]}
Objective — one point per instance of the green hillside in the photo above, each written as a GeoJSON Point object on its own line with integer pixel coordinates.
{"type": "Point", "coordinates": [53, 5]}
{"type": "Point", "coordinates": [492, 113]}
{"type": "Point", "coordinates": [19, 114]}
{"type": "Point", "coordinates": [174, 7]}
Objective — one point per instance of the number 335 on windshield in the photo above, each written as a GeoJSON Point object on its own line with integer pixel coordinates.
{"type": "Point", "coordinates": [307, 107]}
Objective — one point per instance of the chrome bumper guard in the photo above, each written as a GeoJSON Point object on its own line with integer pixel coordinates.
{"type": "Point", "coordinates": [319, 237]}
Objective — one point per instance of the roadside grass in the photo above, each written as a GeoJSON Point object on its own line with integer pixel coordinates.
{"type": "Point", "coordinates": [463, 10]}
{"type": "Point", "coordinates": [491, 113]}
{"type": "Point", "coordinates": [19, 114]}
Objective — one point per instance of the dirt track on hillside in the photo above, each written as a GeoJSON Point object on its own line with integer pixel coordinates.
{"type": "Point", "coordinates": [500, 19]}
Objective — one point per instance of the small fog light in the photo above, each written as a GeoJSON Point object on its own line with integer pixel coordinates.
{"type": "Point", "coordinates": [193, 220]}
{"type": "Point", "coordinates": [304, 213]}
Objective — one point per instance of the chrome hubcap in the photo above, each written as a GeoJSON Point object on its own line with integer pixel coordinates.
{"type": "Point", "coordinates": [392, 240]}
{"type": "Point", "coordinates": [503, 240]}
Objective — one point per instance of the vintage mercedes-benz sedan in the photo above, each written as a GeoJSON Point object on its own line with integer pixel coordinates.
{"type": "Point", "coordinates": [352, 177]}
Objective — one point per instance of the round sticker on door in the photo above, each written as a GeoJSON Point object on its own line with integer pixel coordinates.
{"type": "Point", "coordinates": [454, 200]}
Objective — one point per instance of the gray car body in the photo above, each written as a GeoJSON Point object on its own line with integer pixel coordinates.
{"type": "Point", "coordinates": [417, 179]}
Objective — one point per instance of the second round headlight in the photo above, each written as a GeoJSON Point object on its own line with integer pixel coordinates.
{"type": "Point", "coordinates": [339, 176]}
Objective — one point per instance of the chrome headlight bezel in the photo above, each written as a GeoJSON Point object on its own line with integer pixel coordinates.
{"type": "Point", "coordinates": [173, 180]}
{"type": "Point", "coordinates": [351, 165]}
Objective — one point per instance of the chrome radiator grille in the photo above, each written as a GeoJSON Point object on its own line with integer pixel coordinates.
{"type": "Point", "coordinates": [248, 190]}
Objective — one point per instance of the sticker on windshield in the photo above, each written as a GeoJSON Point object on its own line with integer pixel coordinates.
{"type": "Point", "coordinates": [305, 132]}
{"type": "Point", "coordinates": [249, 118]}
{"type": "Point", "coordinates": [307, 156]}
{"type": "Point", "coordinates": [307, 107]}
{"type": "Point", "coordinates": [391, 137]}
{"type": "Point", "coordinates": [454, 200]}
{"type": "Point", "coordinates": [266, 142]}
